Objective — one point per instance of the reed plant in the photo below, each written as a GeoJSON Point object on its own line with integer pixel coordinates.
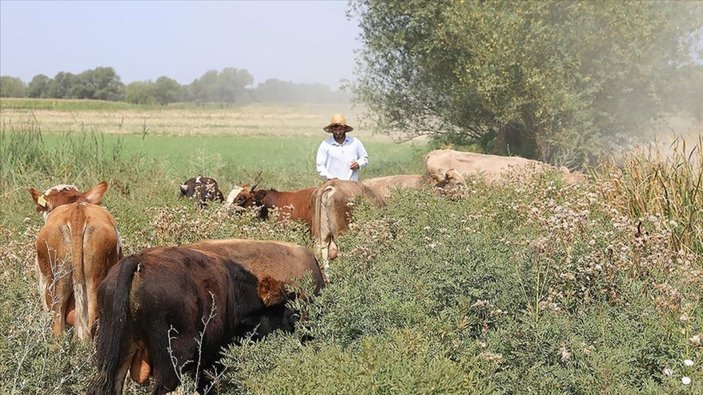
{"type": "Point", "coordinates": [664, 183]}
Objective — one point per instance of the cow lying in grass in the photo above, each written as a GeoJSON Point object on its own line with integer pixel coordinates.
{"type": "Point", "coordinates": [203, 189]}
{"type": "Point", "coordinates": [157, 305]}
{"type": "Point", "coordinates": [491, 168]}
{"type": "Point", "coordinates": [76, 247]}
{"type": "Point", "coordinates": [445, 180]}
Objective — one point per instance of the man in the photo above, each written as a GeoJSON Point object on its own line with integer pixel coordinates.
{"type": "Point", "coordinates": [340, 156]}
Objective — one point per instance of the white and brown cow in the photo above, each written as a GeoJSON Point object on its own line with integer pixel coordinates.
{"type": "Point", "coordinates": [491, 168]}
{"type": "Point", "coordinates": [203, 189]}
{"type": "Point", "coordinates": [331, 211]}
{"type": "Point", "coordinates": [76, 247]}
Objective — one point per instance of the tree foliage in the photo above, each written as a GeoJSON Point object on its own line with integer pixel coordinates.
{"type": "Point", "coordinates": [274, 90]}
{"type": "Point", "coordinates": [12, 87]}
{"type": "Point", "coordinates": [227, 86]}
{"type": "Point", "coordinates": [559, 79]}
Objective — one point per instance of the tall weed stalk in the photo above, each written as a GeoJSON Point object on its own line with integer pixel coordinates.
{"type": "Point", "coordinates": [670, 185]}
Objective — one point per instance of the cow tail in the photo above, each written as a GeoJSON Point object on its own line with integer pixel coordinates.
{"type": "Point", "coordinates": [78, 231]}
{"type": "Point", "coordinates": [328, 225]}
{"type": "Point", "coordinates": [112, 329]}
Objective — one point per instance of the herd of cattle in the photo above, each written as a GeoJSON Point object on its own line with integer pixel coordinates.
{"type": "Point", "coordinates": [146, 311]}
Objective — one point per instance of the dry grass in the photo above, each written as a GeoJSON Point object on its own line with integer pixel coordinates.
{"type": "Point", "coordinates": [260, 120]}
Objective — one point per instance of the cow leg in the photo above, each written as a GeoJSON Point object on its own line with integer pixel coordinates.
{"type": "Point", "coordinates": [59, 295]}
{"type": "Point", "coordinates": [71, 311]}
{"type": "Point", "coordinates": [165, 378]}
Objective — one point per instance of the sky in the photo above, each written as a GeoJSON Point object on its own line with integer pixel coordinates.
{"type": "Point", "coordinates": [298, 41]}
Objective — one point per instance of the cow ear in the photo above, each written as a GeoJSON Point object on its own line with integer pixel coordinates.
{"type": "Point", "coordinates": [271, 291]}
{"type": "Point", "coordinates": [39, 200]}
{"type": "Point", "coordinates": [95, 194]}
{"type": "Point", "coordinates": [258, 195]}
{"type": "Point", "coordinates": [184, 188]}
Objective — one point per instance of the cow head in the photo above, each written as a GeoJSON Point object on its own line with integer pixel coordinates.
{"type": "Point", "coordinates": [203, 189]}
{"type": "Point", "coordinates": [65, 194]}
{"type": "Point", "coordinates": [246, 197]}
{"type": "Point", "coordinates": [448, 180]}
{"type": "Point", "coordinates": [272, 291]}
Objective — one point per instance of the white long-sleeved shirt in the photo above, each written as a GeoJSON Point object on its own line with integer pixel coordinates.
{"type": "Point", "coordinates": [334, 159]}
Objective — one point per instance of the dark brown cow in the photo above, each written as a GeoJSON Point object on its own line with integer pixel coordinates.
{"type": "Point", "coordinates": [204, 189]}
{"type": "Point", "coordinates": [76, 247]}
{"type": "Point", "coordinates": [161, 297]}
{"type": "Point", "coordinates": [295, 205]}
{"type": "Point", "coordinates": [331, 211]}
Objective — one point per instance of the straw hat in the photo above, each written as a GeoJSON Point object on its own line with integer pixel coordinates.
{"type": "Point", "coordinates": [337, 120]}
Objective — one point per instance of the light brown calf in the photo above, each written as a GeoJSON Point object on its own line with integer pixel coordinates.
{"type": "Point", "coordinates": [331, 212]}
{"type": "Point", "coordinates": [76, 247]}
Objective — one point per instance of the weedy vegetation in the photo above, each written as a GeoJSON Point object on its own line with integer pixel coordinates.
{"type": "Point", "coordinates": [528, 286]}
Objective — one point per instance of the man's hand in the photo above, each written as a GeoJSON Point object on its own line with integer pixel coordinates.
{"type": "Point", "coordinates": [354, 165]}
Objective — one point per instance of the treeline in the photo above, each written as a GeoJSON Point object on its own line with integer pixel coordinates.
{"type": "Point", "coordinates": [229, 86]}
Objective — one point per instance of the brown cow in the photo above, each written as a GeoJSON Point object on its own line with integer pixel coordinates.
{"type": "Point", "coordinates": [446, 180]}
{"type": "Point", "coordinates": [331, 210]}
{"type": "Point", "coordinates": [490, 167]}
{"type": "Point", "coordinates": [295, 205]}
{"type": "Point", "coordinates": [154, 306]}
{"type": "Point", "coordinates": [77, 245]}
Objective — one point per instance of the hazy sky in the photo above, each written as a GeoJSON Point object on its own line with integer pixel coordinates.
{"type": "Point", "coordinates": [299, 41]}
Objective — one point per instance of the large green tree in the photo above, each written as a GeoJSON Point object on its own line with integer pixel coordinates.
{"type": "Point", "coordinates": [554, 80]}
{"type": "Point", "coordinates": [39, 86]}
{"type": "Point", "coordinates": [101, 83]}
{"type": "Point", "coordinates": [12, 87]}
{"type": "Point", "coordinates": [228, 86]}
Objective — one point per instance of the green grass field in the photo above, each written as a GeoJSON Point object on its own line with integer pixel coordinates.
{"type": "Point", "coordinates": [534, 286]}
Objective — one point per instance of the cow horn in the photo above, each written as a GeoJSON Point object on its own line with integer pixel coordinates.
{"type": "Point", "coordinates": [253, 187]}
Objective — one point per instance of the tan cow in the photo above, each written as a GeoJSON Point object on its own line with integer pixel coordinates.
{"type": "Point", "coordinates": [383, 186]}
{"type": "Point", "coordinates": [76, 247]}
{"type": "Point", "coordinates": [331, 210]}
{"type": "Point", "coordinates": [281, 261]}
{"type": "Point", "coordinates": [490, 167]}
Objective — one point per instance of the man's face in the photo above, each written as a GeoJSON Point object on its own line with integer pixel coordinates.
{"type": "Point", "coordinates": [338, 131]}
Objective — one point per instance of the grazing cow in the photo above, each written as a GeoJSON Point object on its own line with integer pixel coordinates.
{"type": "Point", "coordinates": [490, 167]}
{"type": "Point", "coordinates": [445, 180]}
{"type": "Point", "coordinates": [331, 212]}
{"type": "Point", "coordinates": [154, 306]}
{"type": "Point", "coordinates": [296, 205]}
{"type": "Point", "coordinates": [203, 189]}
{"type": "Point", "coordinates": [76, 247]}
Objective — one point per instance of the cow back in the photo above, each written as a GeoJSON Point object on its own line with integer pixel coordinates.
{"type": "Point", "coordinates": [470, 164]}
{"type": "Point", "coordinates": [279, 260]}
{"type": "Point", "coordinates": [295, 204]}
{"type": "Point", "coordinates": [383, 186]}
{"type": "Point", "coordinates": [76, 247]}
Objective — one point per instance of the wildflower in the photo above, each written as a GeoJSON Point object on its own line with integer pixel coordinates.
{"type": "Point", "coordinates": [668, 372]}
{"type": "Point", "coordinates": [688, 362]}
{"type": "Point", "coordinates": [686, 380]}
{"type": "Point", "coordinates": [695, 340]}
{"type": "Point", "coordinates": [684, 317]}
